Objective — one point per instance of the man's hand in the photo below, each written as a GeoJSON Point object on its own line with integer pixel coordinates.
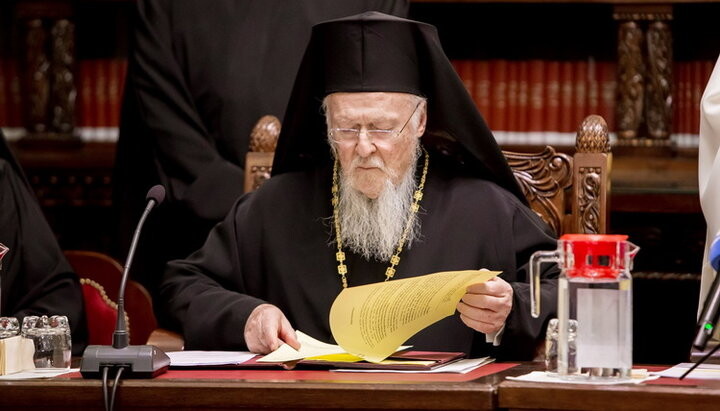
{"type": "Point", "coordinates": [485, 306]}
{"type": "Point", "coordinates": [267, 329]}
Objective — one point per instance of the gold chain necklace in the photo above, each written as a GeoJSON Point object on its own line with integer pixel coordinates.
{"type": "Point", "coordinates": [395, 259]}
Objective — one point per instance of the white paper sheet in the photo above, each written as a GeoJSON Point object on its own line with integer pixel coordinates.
{"type": "Point", "coordinates": [38, 373]}
{"type": "Point", "coordinates": [702, 372]}
{"type": "Point", "coordinates": [208, 358]}
{"type": "Point", "coordinates": [638, 376]}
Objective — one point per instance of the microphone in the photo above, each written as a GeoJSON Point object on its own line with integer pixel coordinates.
{"type": "Point", "coordinates": [711, 307]}
{"type": "Point", "coordinates": [140, 361]}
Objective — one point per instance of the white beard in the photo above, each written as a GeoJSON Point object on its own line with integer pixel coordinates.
{"type": "Point", "coordinates": [372, 228]}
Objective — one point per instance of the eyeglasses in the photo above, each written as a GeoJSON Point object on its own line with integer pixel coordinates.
{"type": "Point", "coordinates": [348, 135]}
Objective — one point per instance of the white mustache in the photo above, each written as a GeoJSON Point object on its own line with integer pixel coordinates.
{"type": "Point", "coordinates": [373, 161]}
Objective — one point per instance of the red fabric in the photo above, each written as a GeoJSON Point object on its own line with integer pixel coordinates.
{"type": "Point", "coordinates": [280, 375]}
{"type": "Point", "coordinates": [100, 316]}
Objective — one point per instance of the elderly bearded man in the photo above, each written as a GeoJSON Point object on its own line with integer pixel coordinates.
{"type": "Point", "coordinates": [401, 177]}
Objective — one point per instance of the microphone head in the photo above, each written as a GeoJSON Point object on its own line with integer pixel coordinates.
{"type": "Point", "coordinates": [156, 193]}
{"type": "Point", "coordinates": [714, 255]}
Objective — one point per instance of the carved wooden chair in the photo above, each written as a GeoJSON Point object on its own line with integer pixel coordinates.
{"type": "Point", "coordinates": [569, 192]}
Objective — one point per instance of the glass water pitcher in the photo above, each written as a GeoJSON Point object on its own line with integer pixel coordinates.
{"type": "Point", "coordinates": [595, 299]}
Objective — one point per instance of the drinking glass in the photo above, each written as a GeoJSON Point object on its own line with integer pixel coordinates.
{"type": "Point", "coordinates": [9, 327]}
{"type": "Point", "coordinates": [551, 346]}
{"type": "Point", "coordinates": [51, 337]}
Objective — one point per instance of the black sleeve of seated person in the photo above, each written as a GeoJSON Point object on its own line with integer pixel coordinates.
{"type": "Point", "coordinates": [206, 294]}
{"type": "Point", "coordinates": [522, 332]}
{"type": "Point", "coordinates": [36, 278]}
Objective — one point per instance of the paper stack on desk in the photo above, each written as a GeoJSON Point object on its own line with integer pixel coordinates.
{"type": "Point", "coordinates": [16, 354]}
{"type": "Point", "coordinates": [370, 322]}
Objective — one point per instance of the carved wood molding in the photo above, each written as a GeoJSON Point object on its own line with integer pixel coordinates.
{"type": "Point", "coordinates": [48, 69]}
{"type": "Point", "coordinates": [644, 102]}
{"type": "Point", "coordinates": [63, 92]}
{"type": "Point", "coordinates": [263, 137]}
{"type": "Point", "coordinates": [258, 161]}
{"type": "Point", "coordinates": [658, 107]}
{"type": "Point", "coordinates": [631, 81]}
{"type": "Point", "coordinates": [543, 178]}
{"type": "Point", "coordinates": [37, 77]}
{"type": "Point", "coordinates": [591, 176]}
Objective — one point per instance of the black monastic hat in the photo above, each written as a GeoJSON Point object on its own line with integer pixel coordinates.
{"type": "Point", "coordinates": [377, 52]}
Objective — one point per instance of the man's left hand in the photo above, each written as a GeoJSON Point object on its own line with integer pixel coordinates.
{"type": "Point", "coordinates": [485, 306]}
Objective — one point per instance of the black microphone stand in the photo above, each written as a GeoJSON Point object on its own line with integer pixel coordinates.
{"type": "Point", "coordinates": [134, 361]}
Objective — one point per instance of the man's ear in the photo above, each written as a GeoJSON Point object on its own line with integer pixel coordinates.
{"type": "Point", "coordinates": [423, 120]}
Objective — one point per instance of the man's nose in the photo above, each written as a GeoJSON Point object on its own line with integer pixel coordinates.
{"type": "Point", "coordinates": [365, 146]}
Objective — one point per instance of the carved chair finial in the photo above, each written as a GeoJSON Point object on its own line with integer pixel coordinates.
{"type": "Point", "coordinates": [592, 136]}
{"type": "Point", "coordinates": [264, 136]}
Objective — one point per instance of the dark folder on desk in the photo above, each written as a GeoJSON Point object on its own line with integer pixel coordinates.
{"type": "Point", "coordinates": [435, 358]}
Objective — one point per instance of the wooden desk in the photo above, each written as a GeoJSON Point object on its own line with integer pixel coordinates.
{"type": "Point", "coordinates": [178, 390]}
{"type": "Point", "coordinates": [662, 394]}
{"type": "Point", "coordinates": [316, 390]}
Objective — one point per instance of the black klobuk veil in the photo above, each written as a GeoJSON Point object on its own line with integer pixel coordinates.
{"type": "Point", "coordinates": [377, 52]}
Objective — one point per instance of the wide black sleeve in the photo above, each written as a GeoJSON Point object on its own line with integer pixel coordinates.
{"type": "Point", "coordinates": [205, 294]}
{"type": "Point", "coordinates": [187, 162]}
{"type": "Point", "coordinates": [522, 332]}
{"type": "Point", "coordinates": [36, 278]}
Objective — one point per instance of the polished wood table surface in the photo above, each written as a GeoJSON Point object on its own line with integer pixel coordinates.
{"type": "Point", "coordinates": [323, 390]}
{"type": "Point", "coordinates": [661, 394]}
{"type": "Point", "coordinates": [256, 389]}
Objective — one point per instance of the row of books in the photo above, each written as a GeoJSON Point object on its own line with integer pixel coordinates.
{"type": "Point", "coordinates": [533, 99]}
{"type": "Point", "coordinates": [99, 85]}
{"type": "Point", "coordinates": [555, 96]}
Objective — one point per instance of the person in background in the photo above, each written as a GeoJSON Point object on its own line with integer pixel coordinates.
{"type": "Point", "coordinates": [709, 173]}
{"type": "Point", "coordinates": [384, 170]}
{"type": "Point", "coordinates": [199, 78]}
{"type": "Point", "coordinates": [35, 277]}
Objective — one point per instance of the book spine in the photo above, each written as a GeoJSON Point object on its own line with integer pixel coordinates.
{"type": "Point", "coordinates": [608, 85]}
{"type": "Point", "coordinates": [100, 93]}
{"type": "Point", "coordinates": [686, 119]}
{"type": "Point", "coordinates": [580, 94]}
{"type": "Point", "coordinates": [85, 110]}
{"type": "Point", "coordinates": [593, 88]}
{"type": "Point", "coordinates": [698, 86]}
{"type": "Point", "coordinates": [537, 95]}
{"type": "Point", "coordinates": [113, 87]}
{"type": "Point", "coordinates": [481, 92]}
{"type": "Point", "coordinates": [552, 96]}
{"type": "Point", "coordinates": [566, 97]}
{"type": "Point", "coordinates": [523, 96]}
{"type": "Point", "coordinates": [513, 104]}
{"type": "Point", "coordinates": [499, 95]}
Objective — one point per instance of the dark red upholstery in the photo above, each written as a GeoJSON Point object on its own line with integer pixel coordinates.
{"type": "Point", "coordinates": [101, 313]}
{"type": "Point", "coordinates": [107, 272]}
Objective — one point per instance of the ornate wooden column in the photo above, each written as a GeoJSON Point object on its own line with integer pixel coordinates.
{"type": "Point", "coordinates": [47, 67]}
{"type": "Point", "coordinates": [644, 94]}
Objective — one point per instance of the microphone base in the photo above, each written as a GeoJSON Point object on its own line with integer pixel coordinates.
{"type": "Point", "coordinates": [139, 361]}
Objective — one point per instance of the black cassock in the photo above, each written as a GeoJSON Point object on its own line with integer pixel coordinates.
{"type": "Point", "coordinates": [276, 245]}
{"type": "Point", "coordinates": [36, 278]}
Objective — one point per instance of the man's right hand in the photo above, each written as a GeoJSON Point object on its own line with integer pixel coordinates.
{"type": "Point", "coordinates": [267, 329]}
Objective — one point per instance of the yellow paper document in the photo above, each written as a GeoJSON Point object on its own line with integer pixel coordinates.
{"type": "Point", "coordinates": [371, 321]}
{"type": "Point", "coordinates": [309, 347]}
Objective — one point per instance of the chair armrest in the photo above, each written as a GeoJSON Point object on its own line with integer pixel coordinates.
{"type": "Point", "coordinates": [166, 340]}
